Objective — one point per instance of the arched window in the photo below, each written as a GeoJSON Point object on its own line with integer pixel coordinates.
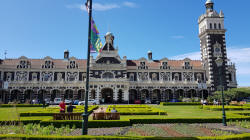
{"type": "Point", "coordinates": [219, 26]}
{"type": "Point", "coordinates": [215, 26]}
{"type": "Point", "coordinates": [211, 26]}
{"type": "Point", "coordinates": [108, 75]}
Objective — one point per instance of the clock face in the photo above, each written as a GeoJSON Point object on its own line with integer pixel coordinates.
{"type": "Point", "coordinates": [217, 50]}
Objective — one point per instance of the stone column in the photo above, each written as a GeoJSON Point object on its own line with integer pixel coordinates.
{"type": "Point", "coordinates": [75, 94]}
{"type": "Point", "coordinates": [115, 97]}
{"type": "Point", "coordinates": [125, 95]}
{"type": "Point", "coordinates": [98, 95]}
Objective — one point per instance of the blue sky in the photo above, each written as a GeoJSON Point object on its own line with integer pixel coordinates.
{"type": "Point", "coordinates": [169, 28]}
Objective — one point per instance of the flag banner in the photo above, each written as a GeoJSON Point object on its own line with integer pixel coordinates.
{"type": "Point", "coordinates": [96, 44]}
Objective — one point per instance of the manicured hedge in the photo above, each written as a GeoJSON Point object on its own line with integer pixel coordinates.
{"type": "Point", "coordinates": [245, 136]}
{"type": "Point", "coordinates": [180, 103]}
{"type": "Point", "coordinates": [51, 110]}
{"type": "Point", "coordinates": [91, 124]}
{"type": "Point", "coordinates": [21, 105]}
{"type": "Point", "coordinates": [218, 108]}
{"type": "Point", "coordinates": [16, 122]}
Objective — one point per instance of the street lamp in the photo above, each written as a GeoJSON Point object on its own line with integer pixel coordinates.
{"type": "Point", "coordinates": [219, 63]}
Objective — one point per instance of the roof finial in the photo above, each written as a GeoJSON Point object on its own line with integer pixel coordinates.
{"type": "Point", "coordinates": [5, 54]}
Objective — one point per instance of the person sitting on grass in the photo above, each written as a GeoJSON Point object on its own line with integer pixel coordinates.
{"type": "Point", "coordinates": [70, 108]}
{"type": "Point", "coordinates": [62, 106]}
{"type": "Point", "coordinates": [113, 110]}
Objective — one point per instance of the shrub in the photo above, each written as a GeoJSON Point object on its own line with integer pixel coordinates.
{"type": "Point", "coordinates": [91, 124]}
{"type": "Point", "coordinates": [218, 108]}
{"type": "Point", "coordinates": [245, 136]}
{"type": "Point", "coordinates": [51, 110]}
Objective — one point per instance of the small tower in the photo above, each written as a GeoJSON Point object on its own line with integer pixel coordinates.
{"type": "Point", "coordinates": [150, 56]}
{"type": "Point", "coordinates": [109, 39]}
{"type": "Point", "coordinates": [66, 54]}
{"type": "Point", "coordinates": [213, 45]}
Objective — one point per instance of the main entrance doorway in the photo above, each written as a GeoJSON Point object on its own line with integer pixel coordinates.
{"type": "Point", "coordinates": [107, 96]}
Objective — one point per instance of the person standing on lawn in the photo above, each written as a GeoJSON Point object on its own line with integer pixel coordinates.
{"type": "Point", "coordinates": [62, 106]}
{"type": "Point", "coordinates": [70, 108]}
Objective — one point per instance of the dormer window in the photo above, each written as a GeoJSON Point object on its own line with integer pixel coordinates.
{"type": "Point", "coordinates": [23, 64]}
{"type": "Point", "coordinates": [165, 65]}
{"type": "Point", "coordinates": [48, 65]}
{"type": "Point", "coordinates": [142, 65]}
{"type": "Point", "coordinates": [187, 65]}
{"type": "Point", "coordinates": [72, 65]}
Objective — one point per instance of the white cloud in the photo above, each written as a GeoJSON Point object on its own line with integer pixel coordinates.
{"type": "Point", "coordinates": [102, 7]}
{"type": "Point", "coordinates": [177, 37]}
{"type": "Point", "coordinates": [238, 56]}
{"type": "Point", "coordinates": [129, 4]}
{"type": "Point", "coordinates": [193, 56]}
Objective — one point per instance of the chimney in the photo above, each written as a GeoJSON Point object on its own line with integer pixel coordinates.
{"type": "Point", "coordinates": [66, 54]}
{"type": "Point", "coordinates": [150, 55]}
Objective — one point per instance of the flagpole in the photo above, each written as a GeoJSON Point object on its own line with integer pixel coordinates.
{"type": "Point", "coordinates": [86, 115]}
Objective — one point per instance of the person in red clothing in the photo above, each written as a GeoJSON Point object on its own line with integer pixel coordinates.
{"type": "Point", "coordinates": [62, 106]}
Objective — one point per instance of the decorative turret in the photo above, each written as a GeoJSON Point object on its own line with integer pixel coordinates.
{"type": "Point", "coordinates": [109, 42]}
{"type": "Point", "coordinates": [209, 5]}
{"type": "Point", "coordinates": [66, 54]}
{"type": "Point", "coordinates": [150, 56]}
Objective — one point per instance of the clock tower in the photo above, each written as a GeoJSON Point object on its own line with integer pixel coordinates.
{"type": "Point", "coordinates": [213, 46]}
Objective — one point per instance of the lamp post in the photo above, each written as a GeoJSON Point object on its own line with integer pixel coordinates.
{"type": "Point", "coordinates": [85, 115]}
{"type": "Point", "coordinates": [219, 63]}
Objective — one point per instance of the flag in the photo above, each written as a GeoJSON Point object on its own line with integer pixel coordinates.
{"type": "Point", "coordinates": [96, 44]}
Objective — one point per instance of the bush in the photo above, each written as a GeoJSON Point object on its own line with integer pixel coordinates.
{"type": "Point", "coordinates": [51, 110]}
{"type": "Point", "coordinates": [91, 124]}
{"type": "Point", "coordinates": [180, 103]}
{"type": "Point", "coordinates": [245, 136]}
{"type": "Point", "coordinates": [218, 108]}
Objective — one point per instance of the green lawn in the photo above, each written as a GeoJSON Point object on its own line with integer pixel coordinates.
{"type": "Point", "coordinates": [9, 113]}
{"type": "Point", "coordinates": [174, 111]}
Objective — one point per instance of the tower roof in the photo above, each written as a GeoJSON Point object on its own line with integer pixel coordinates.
{"type": "Point", "coordinates": [209, 1]}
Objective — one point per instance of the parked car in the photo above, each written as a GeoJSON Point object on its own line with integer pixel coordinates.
{"type": "Point", "coordinates": [174, 100]}
{"type": "Point", "coordinates": [90, 102]}
{"type": "Point", "coordinates": [57, 101]}
{"type": "Point", "coordinates": [147, 101]}
{"type": "Point", "coordinates": [67, 101]}
{"type": "Point", "coordinates": [75, 102]}
{"type": "Point", "coordinates": [137, 102]}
